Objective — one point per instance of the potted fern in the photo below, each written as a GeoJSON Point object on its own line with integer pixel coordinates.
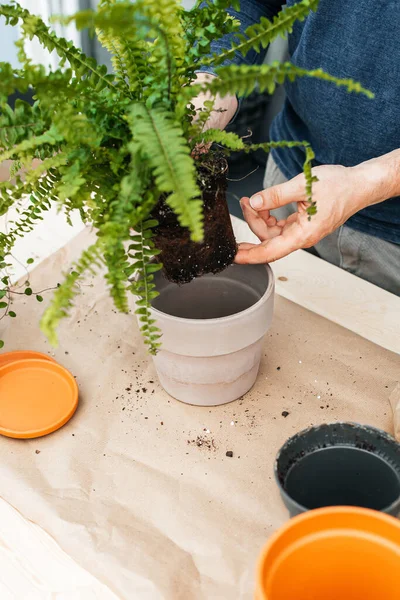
{"type": "Point", "coordinates": [118, 147]}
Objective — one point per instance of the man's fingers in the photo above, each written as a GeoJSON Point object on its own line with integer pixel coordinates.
{"type": "Point", "coordinates": [261, 224]}
{"type": "Point", "coordinates": [270, 250]}
{"type": "Point", "coordinates": [291, 219]}
{"type": "Point", "coordinates": [200, 149]}
{"type": "Point", "coordinates": [279, 195]}
{"type": "Point", "coordinates": [246, 246]}
{"type": "Point", "coordinates": [243, 248]}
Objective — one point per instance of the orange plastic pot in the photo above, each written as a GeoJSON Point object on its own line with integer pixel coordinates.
{"type": "Point", "coordinates": [335, 553]}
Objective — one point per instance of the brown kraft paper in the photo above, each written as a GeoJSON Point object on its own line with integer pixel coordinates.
{"type": "Point", "coordinates": [137, 487]}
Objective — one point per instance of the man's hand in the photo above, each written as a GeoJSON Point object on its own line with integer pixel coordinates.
{"type": "Point", "coordinates": [224, 108]}
{"type": "Point", "coordinates": [340, 192]}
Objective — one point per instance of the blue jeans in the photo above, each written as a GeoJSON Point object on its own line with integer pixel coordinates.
{"type": "Point", "coordinates": [363, 255]}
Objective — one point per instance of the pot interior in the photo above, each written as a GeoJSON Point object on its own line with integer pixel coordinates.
{"type": "Point", "coordinates": [341, 465]}
{"type": "Point", "coordinates": [213, 296]}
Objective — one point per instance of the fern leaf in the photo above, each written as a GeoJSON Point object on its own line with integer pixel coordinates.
{"type": "Point", "coordinates": [310, 179]}
{"type": "Point", "coordinates": [116, 261]}
{"type": "Point", "coordinates": [18, 124]}
{"type": "Point", "coordinates": [243, 80]}
{"type": "Point", "coordinates": [228, 139]}
{"type": "Point", "coordinates": [41, 190]}
{"type": "Point", "coordinates": [62, 300]}
{"type": "Point", "coordinates": [268, 146]}
{"type": "Point", "coordinates": [142, 251]}
{"type": "Point", "coordinates": [117, 61]}
{"type": "Point", "coordinates": [16, 166]}
{"type": "Point", "coordinates": [209, 18]}
{"type": "Point", "coordinates": [33, 26]}
{"type": "Point", "coordinates": [161, 142]}
{"type": "Point", "coordinates": [309, 156]}
{"type": "Point", "coordinates": [50, 137]}
{"type": "Point", "coordinates": [52, 162]}
{"type": "Point", "coordinates": [146, 19]}
{"type": "Point", "coordinates": [10, 81]}
{"type": "Point", "coordinates": [263, 33]}
{"type": "Point", "coordinates": [70, 182]}
{"type": "Point", "coordinates": [168, 11]}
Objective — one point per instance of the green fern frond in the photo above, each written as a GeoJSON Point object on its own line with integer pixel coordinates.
{"type": "Point", "coordinates": [168, 12]}
{"type": "Point", "coordinates": [131, 53]}
{"type": "Point", "coordinates": [310, 179]}
{"type": "Point", "coordinates": [117, 61]}
{"type": "Point", "coordinates": [142, 251]}
{"type": "Point", "coordinates": [41, 189]}
{"type": "Point", "coordinates": [62, 300]}
{"type": "Point", "coordinates": [10, 194]}
{"type": "Point", "coordinates": [53, 162]}
{"type": "Point", "coordinates": [70, 183]}
{"type": "Point", "coordinates": [263, 33]}
{"type": "Point", "coordinates": [210, 18]}
{"type": "Point", "coordinates": [268, 146]}
{"type": "Point", "coordinates": [18, 124]}
{"type": "Point", "coordinates": [30, 216]}
{"type": "Point", "coordinates": [51, 137]}
{"type": "Point", "coordinates": [75, 127]}
{"type": "Point", "coordinates": [307, 165]}
{"type": "Point", "coordinates": [33, 26]}
{"type": "Point", "coordinates": [10, 81]}
{"type": "Point", "coordinates": [143, 19]}
{"type": "Point", "coordinates": [16, 166]}
{"type": "Point", "coordinates": [161, 142]}
{"type": "Point", "coordinates": [128, 58]}
{"type": "Point", "coordinates": [135, 200]}
{"type": "Point", "coordinates": [204, 113]}
{"type": "Point", "coordinates": [41, 185]}
{"type": "Point", "coordinates": [228, 139]}
{"type": "Point", "coordinates": [113, 145]}
{"type": "Point", "coordinates": [243, 80]}
{"type": "Point", "coordinates": [116, 261]}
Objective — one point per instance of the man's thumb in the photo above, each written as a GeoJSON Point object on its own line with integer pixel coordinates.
{"type": "Point", "coordinates": [276, 196]}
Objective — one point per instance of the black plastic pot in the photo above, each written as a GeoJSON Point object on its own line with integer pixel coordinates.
{"type": "Point", "coordinates": [340, 464]}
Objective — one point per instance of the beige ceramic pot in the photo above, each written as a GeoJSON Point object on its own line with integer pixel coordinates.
{"type": "Point", "coordinates": [212, 333]}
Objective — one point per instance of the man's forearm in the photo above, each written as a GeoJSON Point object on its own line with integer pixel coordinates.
{"type": "Point", "coordinates": [379, 178]}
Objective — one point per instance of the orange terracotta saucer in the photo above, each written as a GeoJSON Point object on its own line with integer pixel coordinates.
{"type": "Point", "coordinates": [37, 397]}
{"type": "Point", "coordinates": [8, 357]}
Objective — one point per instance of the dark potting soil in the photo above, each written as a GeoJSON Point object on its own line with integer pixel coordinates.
{"type": "Point", "coordinates": [183, 260]}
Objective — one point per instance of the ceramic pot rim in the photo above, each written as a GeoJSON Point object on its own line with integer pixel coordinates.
{"type": "Point", "coordinates": [300, 507]}
{"type": "Point", "coordinates": [230, 318]}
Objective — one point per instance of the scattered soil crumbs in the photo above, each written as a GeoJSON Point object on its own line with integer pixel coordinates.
{"type": "Point", "coordinates": [285, 413]}
{"type": "Point", "coordinates": [134, 396]}
{"type": "Point", "coordinates": [203, 441]}
{"type": "Point", "coordinates": [37, 451]}
{"type": "Point", "coordinates": [229, 454]}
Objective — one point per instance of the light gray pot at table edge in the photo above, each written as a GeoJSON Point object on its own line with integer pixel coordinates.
{"type": "Point", "coordinates": [208, 362]}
